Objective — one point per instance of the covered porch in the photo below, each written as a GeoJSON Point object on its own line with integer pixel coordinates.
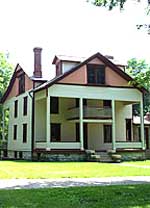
{"type": "Point", "coordinates": [80, 123]}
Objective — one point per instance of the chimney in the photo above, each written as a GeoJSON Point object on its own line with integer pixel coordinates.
{"type": "Point", "coordinates": [37, 62]}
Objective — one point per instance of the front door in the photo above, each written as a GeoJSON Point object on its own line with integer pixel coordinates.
{"type": "Point", "coordinates": [146, 137]}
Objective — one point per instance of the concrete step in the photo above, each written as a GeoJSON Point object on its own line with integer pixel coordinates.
{"type": "Point", "coordinates": [98, 156]}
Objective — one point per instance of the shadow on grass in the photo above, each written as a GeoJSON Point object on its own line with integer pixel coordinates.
{"type": "Point", "coordinates": [125, 196]}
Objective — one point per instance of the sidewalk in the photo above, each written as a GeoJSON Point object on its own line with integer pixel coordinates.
{"type": "Point", "coordinates": [51, 183]}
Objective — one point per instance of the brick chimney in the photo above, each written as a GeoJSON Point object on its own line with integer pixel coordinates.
{"type": "Point", "coordinates": [37, 62]}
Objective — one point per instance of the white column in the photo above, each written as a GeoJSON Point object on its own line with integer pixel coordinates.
{"type": "Point", "coordinates": [81, 123]}
{"type": "Point", "coordinates": [48, 133]}
{"type": "Point", "coordinates": [3, 126]}
{"type": "Point", "coordinates": [113, 126]}
{"type": "Point", "coordinates": [142, 124]}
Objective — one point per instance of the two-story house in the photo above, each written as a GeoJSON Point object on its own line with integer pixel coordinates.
{"type": "Point", "coordinates": [87, 106]}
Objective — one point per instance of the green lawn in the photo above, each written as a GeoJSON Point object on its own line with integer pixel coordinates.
{"type": "Point", "coordinates": [18, 169]}
{"type": "Point", "coordinates": [127, 196]}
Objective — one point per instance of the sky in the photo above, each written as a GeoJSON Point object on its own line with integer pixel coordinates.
{"type": "Point", "coordinates": [71, 27]}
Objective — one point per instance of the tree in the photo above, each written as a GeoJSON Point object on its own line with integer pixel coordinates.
{"type": "Point", "coordinates": [5, 74]}
{"type": "Point", "coordinates": [111, 4]}
{"type": "Point", "coordinates": [139, 70]}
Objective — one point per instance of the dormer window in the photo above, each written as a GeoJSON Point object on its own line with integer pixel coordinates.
{"type": "Point", "coordinates": [95, 74]}
{"type": "Point", "coordinates": [21, 83]}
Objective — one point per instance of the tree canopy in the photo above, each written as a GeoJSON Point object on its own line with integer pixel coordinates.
{"type": "Point", "coordinates": [5, 74]}
{"type": "Point", "coordinates": [111, 4]}
{"type": "Point", "coordinates": [139, 70]}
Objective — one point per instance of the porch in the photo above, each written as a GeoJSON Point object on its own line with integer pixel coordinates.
{"type": "Point", "coordinates": [78, 123]}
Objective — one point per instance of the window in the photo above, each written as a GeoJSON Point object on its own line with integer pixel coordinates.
{"type": "Point", "coordinates": [55, 132]}
{"type": "Point", "coordinates": [107, 103]}
{"type": "Point", "coordinates": [15, 132]}
{"type": "Point", "coordinates": [84, 102]}
{"type": "Point", "coordinates": [107, 133]}
{"type": "Point", "coordinates": [96, 74]}
{"type": "Point", "coordinates": [15, 154]}
{"type": "Point", "coordinates": [25, 105]}
{"type": "Point", "coordinates": [128, 130]}
{"type": "Point", "coordinates": [5, 153]}
{"type": "Point", "coordinates": [24, 133]}
{"type": "Point", "coordinates": [21, 83]}
{"type": "Point", "coordinates": [16, 108]}
{"type": "Point", "coordinates": [20, 155]}
{"type": "Point", "coordinates": [54, 105]}
{"type": "Point", "coordinates": [77, 132]}
{"type": "Point", "coordinates": [139, 133]}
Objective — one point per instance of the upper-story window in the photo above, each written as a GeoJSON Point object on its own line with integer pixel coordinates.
{"type": "Point", "coordinates": [78, 102]}
{"type": "Point", "coordinates": [25, 105]}
{"type": "Point", "coordinates": [107, 103]}
{"type": "Point", "coordinates": [16, 108]}
{"type": "Point", "coordinates": [21, 83]}
{"type": "Point", "coordinates": [96, 74]}
{"type": "Point", "coordinates": [54, 105]}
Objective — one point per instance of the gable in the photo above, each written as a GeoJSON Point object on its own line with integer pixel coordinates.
{"type": "Point", "coordinates": [13, 88]}
{"type": "Point", "coordinates": [79, 76]}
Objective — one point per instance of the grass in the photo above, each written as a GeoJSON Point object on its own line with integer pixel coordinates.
{"type": "Point", "coordinates": [18, 169]}
{"type": "Point", "coordinates": [127, 196]}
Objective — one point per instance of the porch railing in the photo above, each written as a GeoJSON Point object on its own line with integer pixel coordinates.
{"type": "Point", "coordinates": [128, 145]}
{"type": "Point", "coordinates": [90, 112]}
{"type": "Point", "coordinates": [58, 145]}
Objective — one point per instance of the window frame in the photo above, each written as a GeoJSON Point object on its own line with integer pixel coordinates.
{"type": "Point", "coordinates": [24, 133]}
{"type": "Point", "coordinates": [15, 108]}
{"type": "Point", "coordinates": [107, 103]}
{"type": "Point", "coordinates": [15, 154]}
{"type": "Point", "coordinates": [105, 132]}
{"type": "Point", "coordinates": [25, 105]}
{"type": "Point", "coordinates": [57, 126]}
{"type": "Point", "coordinates": [15, 132]}
{"type": "Point", "coordinates": [95, 69]}
{"type": "Point", "coordinates": [54, 105]}
{"type": "Point", "coordinates": [77, 126]}
{"type": "Point", "coordinates": [21, 84]}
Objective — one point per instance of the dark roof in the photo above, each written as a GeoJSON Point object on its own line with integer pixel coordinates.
{"type": "Point", "coordinates": [12, 80]}
{"type": "Point", "coordinates": [106, 61]}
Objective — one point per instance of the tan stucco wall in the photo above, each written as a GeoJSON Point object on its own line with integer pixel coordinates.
{"type": "Point", "coordinates": [114, 79]}
{"type": "Point", "coordinates": [80, 76]}
{"type": "Point", "coordinates": [15, 88]}
{"type": "Point", "coordinates": [77, 77]}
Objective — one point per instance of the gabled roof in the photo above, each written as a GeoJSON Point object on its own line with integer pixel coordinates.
{"type": "Point", "coordinates": [10, 83]}
{"type": "Point", "coordinates": [12, 80]}
{"type": "Point", "coordinates": [106, 61]}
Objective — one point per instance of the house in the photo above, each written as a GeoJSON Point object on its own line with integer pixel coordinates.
{"type": "Point", "coordinates": [87, 106]}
